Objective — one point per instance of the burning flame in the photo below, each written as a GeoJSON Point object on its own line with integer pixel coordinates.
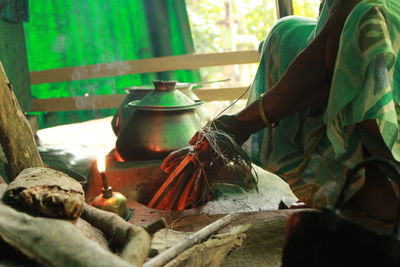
{"type": "Point", "coordinates": [101, 160]}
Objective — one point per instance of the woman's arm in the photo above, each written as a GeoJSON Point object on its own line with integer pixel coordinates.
{"type": "Point", "coordinates": [307, 79]}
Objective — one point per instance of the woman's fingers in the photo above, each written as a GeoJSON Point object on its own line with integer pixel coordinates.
{"type": "Point", "coordinates": [195, 139]}
{"type": "Point", "coordinates": [174, 158]}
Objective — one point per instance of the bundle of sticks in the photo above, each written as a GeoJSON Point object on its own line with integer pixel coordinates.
{"type": "Point", "coordinates": [194, 170]}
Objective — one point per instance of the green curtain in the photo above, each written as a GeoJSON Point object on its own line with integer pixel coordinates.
{"type": "Point", "coordinates": [66, 33]}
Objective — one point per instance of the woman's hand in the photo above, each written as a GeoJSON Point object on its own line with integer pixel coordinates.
{"type": "Point", "coordinates": [174, 158]}
{"type": "Point", "coordinates": [229, 124]}
{"type": "Point", "coordinates": [204, 148]}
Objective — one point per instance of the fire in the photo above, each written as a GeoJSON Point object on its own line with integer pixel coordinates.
{"type": "Point", "coordinates": [101, 160]}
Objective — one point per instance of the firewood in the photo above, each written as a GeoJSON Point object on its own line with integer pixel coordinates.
{"type": "Point", "coordinates": [46, 192]}
{"type": "Point", "coordinates": [193, 240]}
{"type": "Point", "coordinates": [216, 248]}
{"type": "Point", "coordinates": [16, 137]}
{"type": "Point", "coordinates": [51, 242]}
{"type": "Point", "coordinates": [159, 196]}
{"type": "Point", "coordinates": [133, 241]}
{"type": "Point", "coordinates": [153, 227]}
{"type": "Point", "coordinates": [196, 169]}
{"type": "Point", "coordinates": [92, 233]}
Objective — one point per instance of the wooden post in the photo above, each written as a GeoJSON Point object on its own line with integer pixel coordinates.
{"type": "Point", "coordinates": [284, 8]}
{"type": "Point", "coordinates": [16, 137]}
{"type": "Point", "coordinates": [14, 58]}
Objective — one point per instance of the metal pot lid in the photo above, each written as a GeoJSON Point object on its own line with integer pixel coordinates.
{"type": "Point", "coordinates": [165, 97]}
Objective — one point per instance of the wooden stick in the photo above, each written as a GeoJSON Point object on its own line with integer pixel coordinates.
{"type": "Point", "coordinates": [154, 201]}
{"type": "Point", "coordinates": [173, 191]}
{"type": "Point", "coordinates": [188, 189]}
{"type": "Point", "coordinates": [194, 239]}
{"type": "Point", "coordinates": [153, 227]}
{"type": "Point", "coordinates": [16, 137]}
{"type": "Point", "coordinates": [51, 242]}
{"type": "Point", "coordinates": [132, 239]}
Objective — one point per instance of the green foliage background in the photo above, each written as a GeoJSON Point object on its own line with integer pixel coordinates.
{"type": "Point", "coordinates": [251, 19]}
{"type": "Point", "coordinates": [254, 17]}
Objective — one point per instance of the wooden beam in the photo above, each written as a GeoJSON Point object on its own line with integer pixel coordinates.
{"type": "Point", "coordinates": [222, 94]}
{"type": "Point", "coordinates": [159, 64]}
{"type": "Point", "coordinates": [77, 103]}
{"type": "Point", "coordinates": [113, 101]}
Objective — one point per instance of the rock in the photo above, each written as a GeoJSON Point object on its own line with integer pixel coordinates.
{"type": "Point", "coordinates": [46, 192]}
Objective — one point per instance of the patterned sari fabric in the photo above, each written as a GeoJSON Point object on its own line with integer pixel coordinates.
{"type": "Point", "coordinates": [312, 150]}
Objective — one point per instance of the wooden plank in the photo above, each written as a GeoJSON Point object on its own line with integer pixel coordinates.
{"type": "Point", "coordinates": [77, 103]}
{"type": "Point", "coordinates": [221, 94]}
{"type": "Point", "coordinates": [182, 62]}
{"type": "Point", "coordinates": [113, 101]}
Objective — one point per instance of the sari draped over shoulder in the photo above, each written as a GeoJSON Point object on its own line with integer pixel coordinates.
{"type": "Point", "coordinates": [312, 150]}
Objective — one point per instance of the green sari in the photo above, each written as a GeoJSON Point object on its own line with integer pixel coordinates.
{"type": "Point", "coordinates": [312, 150]}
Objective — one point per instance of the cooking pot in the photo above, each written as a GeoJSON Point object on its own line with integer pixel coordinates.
{"type": "Point", "coordinates": [161, 122]}
{"type": "Point", "coordinates": [124, 112]}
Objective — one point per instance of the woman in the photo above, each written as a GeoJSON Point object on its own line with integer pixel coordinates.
{"type": "Point", "coordinates": [321, 90]}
